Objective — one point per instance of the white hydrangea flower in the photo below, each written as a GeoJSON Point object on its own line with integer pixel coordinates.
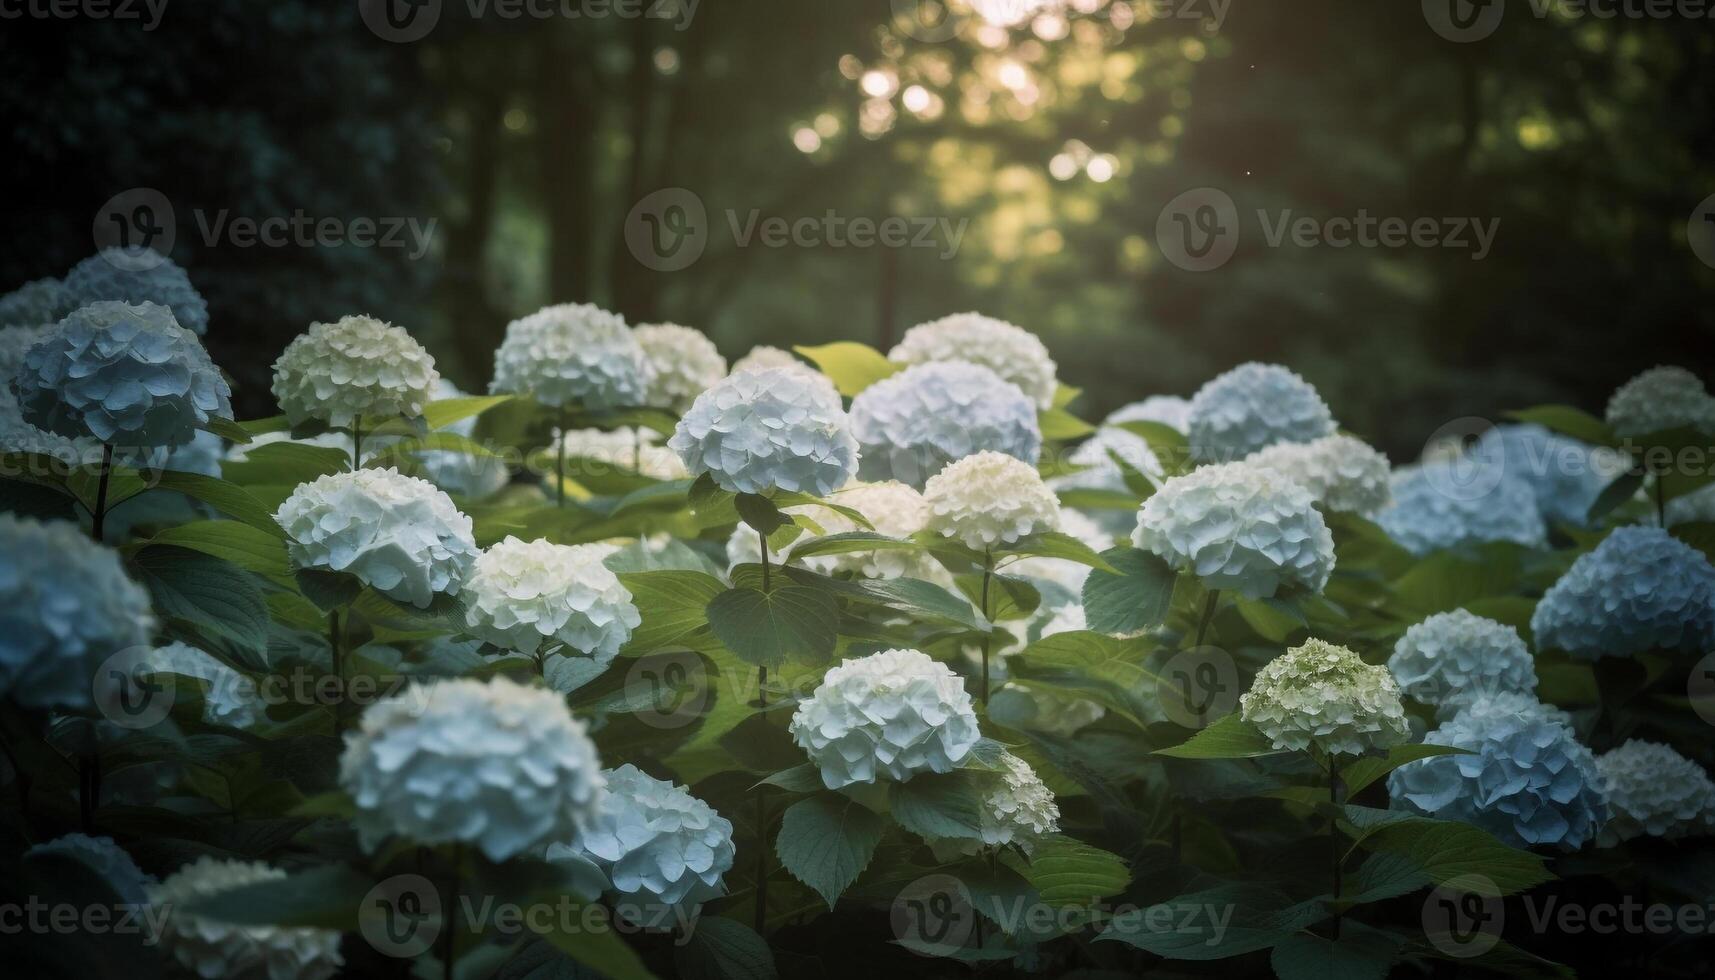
{"type": "Point", "coordinates": [1654, 791]}
{"type": "Point", "coordinates": [106, 859]}
{"type": "Point", "coordinates": [1018, 807]}
{"type": "Point", "coordinates": [65, 606]}
{"type": "Point", "coordinates": [137, 275]}
{"type": "Point", "coordinates": [522, 594]}
{"type": "Point", "coordinates": [217, 950]}
{"type": "Point", "coordinates": [1659, 399]}
{"type": "Point", "coordinates": [619, 448]}
{"type": "Point", "coordinates": [662, 849]}
{"type": "Point", "coordinates": [990, 499]}
{"type": "Point", "coordinates": [1696, 507]}
{"type": "Point", "coordinates": [1238, 527]}
{"type": "Point", "coordinates": [1251, 407]}
{"type": "Point", "coordinates": [1323, 695]}
{"type": "Point", "coordinates": [400, 535]}
{"type": "Point", "coordinates": [357, 366]}
{"type": "Point", "coordinates": [459, 473]}
{"type": "Point", "coordinates": [682, 364]}
{"type": "Point", "coordinates": [889, 715]}
{"type": "Point", "coordinates": [913, 423]}
{"type": "Point", "coordinates": [1016, 354]}
{"type": "Point", "coordinates": [1170, 410]}
{"type": "Point", "coordinates": [499, 765]}
{"type": "Point", "coordinates": [570, 354]}
{"type": "Point", "coordinates": [130, 376]}
{"type": "Point", "coordinates": [231, 699]}
{"type": "Point", "coordinates": [762, 357]}
{"type": "Point", "coordinates": [766, 430]}
{"type": "Point", "coordinates": [36, 303]}
{"type": "Point", "coordinates": [892, 509]}
{"type": "Point", "coordinates": [1341, 473]}
{"type": "Point", "coordinates": [1453, 657]}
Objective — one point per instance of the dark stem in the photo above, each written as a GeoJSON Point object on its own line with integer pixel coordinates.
{"type": "Point", "coordinates": [541, 664]}
{"type": "Point", "coordinates": [20, 777]}
{"type": "Point", "coordinates": [988, 573]}
{"type": "Point", "coordinates": [1208, 614]}
{"type": "Point", "coordinates": [1660, 501]}
{"type": "Point", "coordinates": [761, 797]}
{"type": "Point", "coordinates": [356, 444]}
{"type": "Point", "coordinates": [338, 661]}
{"type": "Point", "coordinates": [449, 942]}
{"type": "Point", "coordinates": [1334, 832]}
{"type": "Point", "coordinates": [1177, 831]}
{"type": "Point", "coordinates": [100, 513]}
{"type": "Point", "coordinates": [560, 462]}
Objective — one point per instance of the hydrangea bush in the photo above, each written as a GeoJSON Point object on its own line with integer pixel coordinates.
{"type": "Point", "coordinates": [764, 685]}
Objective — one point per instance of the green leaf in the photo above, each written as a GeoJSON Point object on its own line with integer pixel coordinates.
{"type": "Point", "coordinates": [1066, 871]}
{"type": "Point", "coordinates": [596, 946]}
{"type": "Point", "coordinates": [1169, 445]}
{"type": "Point", "coordinates": [760, 513]}
{"type": "Point", "coordinates": [1229, 738]}
{"type": "Point", "coordinates": [851, 366]}
{"type": "Point", "coordinates": [227, 429]}
{"type": "Point", "coordinates": [1361, 953]}
{"type": "Point", "coordinates": [721, 949]}
{"type": "Point", "coordinates": [934, 805]}
{"type": "Point", "coordinates": [826, 841]}
{"type": "Point", "coordinates": [765, 628]}
{"type": "Point", "coordinates": [1274, 619]}
{"type": "Point", "coordinates": [1191, 927]}
{"type": "Point", "coordinates": [325, 897]}
{"type": "Point", "coordinates": [913, 597]}
{"type": "Point", "coordinates": [450, 442]}
{"type": "Point", "coordinates": [1370, 768]}
{"type": "Point", "coordinates": [1059, 425]}
{"type": "Point", "coordinates": [1065, 395]}
{"type": "Point", "coordinates": [273, 423]}
{"type": "Point", "coordinates": [238, 543]}
{"type": "Point", "coordinates": [1091, 665]}
{"type": "Point", "coordinates": [673, 604]}
{"type": "Point", "coordinates": [1445, 849]}
{"type": "Point", "coordinates": [439, 415]}
{"type": "Point", "coordinates": [1053, 544]}
{"type": "Point", "coordinates": [850, 541]}
{"type": "Point", "coordinates": [710, 504]}
{"type": "Point", "coordinates": [803, 778]}
{"type": "Point", "coordinates": [1565, 419]}
{"type": "Point", "coordinates": [1615, 494]}
{"type": "Point", "coordinates": [1133, 600]}
{"type": "Point", "coordinates": [285, 464]}
{"type": "Point", "coordinates": [209, 592]}
{"type": "Point", "coordinates": [229, 498]}
{"type": "Point", "coordinates": [328, 590]}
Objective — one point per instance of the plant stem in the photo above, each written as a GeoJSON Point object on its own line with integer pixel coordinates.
{"type": "Point", "coordinates": [1334, 832]}
{"type": "Point", "coordinates": [988, 573]}
{"type": "Point", "coordinates": [99, 515]}
{"type": "Point", "coordinates": [1177, 832]}
{"type": "Point", "coordinates": [449, 941]}
{"type": "Point", "coordinates": [1208, 614]}
{"type": "Point", "coordinates": [337, 657]}
{"type": "Point", "coordinates": [560, 461]}
{"type": "Point", "coordinates": [1660, 502]}
{"type": "Point", "coordinates": [356, 444]}
{"type": "Point", "coordinates": [761, 793]}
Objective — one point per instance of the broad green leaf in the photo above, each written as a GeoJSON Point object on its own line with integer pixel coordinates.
{"type": "Point", "coordinates": [1229, 738]}
{"type": "Point", "coordinates": [673, 605]}
{"type": "Point", "coordinates": [228, 429]}
{"type": "Point", "coordinates": [1214, 924]}
{"type": "Point", "coordinates": [826, 841]}
{"type": "Point", "coordinates": [760, 513]}
{"type": "Point", "coordinates": [1169, 445]}
{"type": "Point", "coordinates": [1623, 488]}
{"type": "Point", "coordinates": [851, 366]}
{"type": "Point", "coordinates": [450, 442]}
{"type": "Point", "coordinates": [710, 504]}
{"type": "Point", "coordinates": [939, 805]}
{"type": "Point", "coordinates": [327, 897]}
{"type": "Point", "coordinates": [598, 948]}
{"type": "Point", "coordinates": [852, 541]}
{"type": "Point", "coordinates": [1446, 849]}
{"type": "Point", "coordinates": [208, 592]}
{"type": "Point", "coordinates": [1066, 871]}
{"type": "Point", "coordinates": [1133, 600]}
{"type": "Point", "coordinates": [285, 464]}
{"type": "Point", "coordinates": [1052, 544]}
{"type": "Point", "coordinates": [803, 778]}
{"type": "Point", "coordinates": [1065, 395]}
{"type": "Point", "coordinates": [1369, 768]}
{"type": "Point", "coordinates": [913, 597]}
{"type": "Point", "coordinates": [722, 949]}
{"type": "Point", "coordinates": [273, 423]}
{"type": "Point", "coordinates": [1059, 425]}
{"type": "Point", "coordinates": [328, 590]}
{"type": "Point", "coordinates": [1361, 953]}
{"type": "Point", "coordinates": [671, 495]}
{"type": "Point", "coordinates": [1574, 422]}
{"type": "Point", "coordinates": [675, 555]}
{"type": "Point", "coordinates": [1274, 619]}
{"type": "Point", "coordinates": [765, 628]}
{"type": "Point", "coordinates": [1091, 665]}
{"type": "Point", "coordinates": [439, 415]}
{"type": "Point", "coordinates": [238, 543]}
{"type": "Point", "coordinates": [229, 498]}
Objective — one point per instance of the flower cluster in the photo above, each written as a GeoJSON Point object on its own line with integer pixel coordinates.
{"type": "Point", "coordinates": [914, 423]}
{"type": "Point", "coordinates": [229, 700]}
{"type": "Point", "coordinates": [1325, 696]}
{"type": "Point", "coordinates": [218, 950]}
{"type": "Point", "coordinates": [497, 764]}
{"type": "Point", "coordinates": [989, 499]}
{"type": "Point", "coordinates": [355, 367]}
{"type": "Point", "coordinates": [1011, 352]}
{"type": "Point", "coordinates": [399, 535]}
{"type": "Point", "coordinates": [1251, 407]}
{"type": "Point", "coordinates": [36, 304]}
{"type": "Point", "coordinates": [1660, 399]}
{"type": "Point", "coordinates": [681, 364]}
{"type": "Point", "coordinates": [892, 509]}
{"type": "Point", "coordinates": [1238, 527]}
{"type": "Point", "coordinates": [1641, 589]}
{"type": "Point", "coordinates": [1451, 658]}
{"type": "Point", "coordinates": [889, 715]}
{"type": "Point", "coordinates": [17, 435]}
{"type": "Point", "coordinates": [572, 354]}
{"type": "Point", "coordinates": [658, 846]}
{"type": "Point", "coordinates": [766, 430]}
{"type": "Point", "coordinates": [1017, 807]}
{"type": "Point", "coordinates": [1566, 475]}
{"type": "Point", "coordinates": [127, 375]}
{"type": "Point", "coordinates": [65, 606]}
{"type": "Point", "coordinates": [1525, 777]}
{"type": "Point", "coordinates": [1654, 791]}
{"type": "Point", "coordinates": [1449, 503]}
{"type": "Point", "coordinates": [137, 276]}
{"type": "Point", "coordinates": [522, 594]}
{"type": "Point", "coordinates": [1341, 473]}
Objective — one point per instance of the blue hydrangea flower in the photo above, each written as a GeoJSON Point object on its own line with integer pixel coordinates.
{"type": "Point", "coordinates": [65, 606]}
{"type": "Point", "coordinates": [1452, 658]}
{"type": "Point", "coordinates": [1449, 503]}
{"type": "Point", "coordinates": [1528, 780]}
{"type": "Point", "coordinates": [1251, 407]}
{"type": "Point", "coordinates": [765, 430]}
{"type": "Point", "coordinates": [917, 421]}
{"type": "Point", "coordinates": [1565, 474]}
{"type": "Point", "coordinates": [36, 304]}
{"type": "Point", "coordinates": [127, 375]}
{"type": "Point", "coordinates": [1641, 589]}
{"type": "Point", "coordinates": [138, 276]}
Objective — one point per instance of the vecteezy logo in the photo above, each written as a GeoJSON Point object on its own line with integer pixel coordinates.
{"type": "Point", "coordinates": [1474, 468]}
{"type": "Point", "coordinates": [1198, 686]}
{"type": "Point", "coordinates": [1198, 230]}
{"type": "Point", "coordinates": [1463, 21]}
{"type": "Point", "coordinates": [401, 916]}
{"type": "Point", "coordinates": [933, 915]}
{"type": "Point", "coordinates": [1463, 916]}
{"type": "Point", "coordinates": [930, 21]}
{"type": "Point", "coordinates": [668, 230]}
{"type": "Point", "coordinates": [130, 692]}
{"type": "Point", "coordinates": [400, 21]}
{"type": "Point", "coordinates": [1700, 231]}
{"type": "Point", "coordinates": [667, 690]}
{"type": "Point", "coordinates": [135, 229]}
